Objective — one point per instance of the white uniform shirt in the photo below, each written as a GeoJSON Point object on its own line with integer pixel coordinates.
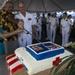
{"type": "Point", "coordinates": [53, 21]}
{"type": "Point", "coordinates": [65, 23]}
{"type": "Point", "coordinates": [71, 23]}
{"type": "Point", "coordinates": [38, 24]}
{"type": "Point", "coordinates": [28, 20]}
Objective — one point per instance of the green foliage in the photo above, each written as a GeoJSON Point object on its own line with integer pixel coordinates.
{"type": "Point", "coordinates": [73, 45]}
{"type": "Point", "coordinates": [68, 70]}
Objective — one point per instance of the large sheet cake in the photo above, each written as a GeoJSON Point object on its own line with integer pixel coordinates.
{"type": "Point", "coordinates": [44, 50]}
{"type": "Point", "coordinates": [33, 66]}
{"type": "Point", "coordinates": [39, 57]}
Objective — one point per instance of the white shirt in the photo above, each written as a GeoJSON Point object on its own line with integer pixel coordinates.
{"type": "Point", "coordinates": [28, 20]}
{"type": "Point", "coordinates": [38, 24]}
{"type": "Point", "coordinates": [53, 21]}
{"type": "Point", "coordinates": [65, 23]}
{"type": "Point", "coordinates": [71, 23]}
{"type": "Point", "coordinates": [48, 18]}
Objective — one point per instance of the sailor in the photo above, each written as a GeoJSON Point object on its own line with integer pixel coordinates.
{"type": "Point", "coordinates": [53, 25]}
{"type": "Point", "coordinates": [29, 22]}
{"type": "Point", "coordinates": [38, 26]}
{"type": "Point", "coordinates": [65, 27]}
{"type": "Point", "coordinates": [48, 26]}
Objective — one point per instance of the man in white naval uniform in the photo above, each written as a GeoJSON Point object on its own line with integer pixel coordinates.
{"type": "Point", "coordinates": [65, 27]}
{"type": "Point", "coordinates": [29, 22]}
{"type": "Point", "coordinates": [48, 26]}
{"type": "Point", "coordinates": [38, 26]}
{"type": "Point", "coordinates": [53, 25]}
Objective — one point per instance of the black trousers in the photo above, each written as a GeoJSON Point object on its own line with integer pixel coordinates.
{"type": "Point", "coordinates": [44, 31]}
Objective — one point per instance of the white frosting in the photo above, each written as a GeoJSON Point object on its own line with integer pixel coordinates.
{"type": "Point", "coordinates": [15, 64]}
{"type": "Point", "coordinates": [11, 59]}
{"type": "Point", "coordinates": [33, 65]}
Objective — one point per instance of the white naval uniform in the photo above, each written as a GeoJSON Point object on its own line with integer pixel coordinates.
{"type": "Point", "coordinates": [28, 22]}
{"type": "Point", "coordinates": [65, 30]}
{"type": "Point", "coordinates": [53, 24]}
{"type": "Point", "coordinates": [38, 28]}
{"type": "Point", "coordinates": [48, 28]}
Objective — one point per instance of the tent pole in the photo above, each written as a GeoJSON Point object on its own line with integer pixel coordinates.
{"type": "Point", "coordinates": [57, 5]}
{"type": "Point", "coordinates": [44, 5]}
{"type": "Point", "coordinates": [29, 4]}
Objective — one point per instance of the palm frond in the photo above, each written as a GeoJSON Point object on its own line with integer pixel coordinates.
{"type": "Point", "coordinates": [65, 61]}
{"type": "Point", "coordinates": [67, 69]}
{"type": "Point", "coordinates": [56, 63]}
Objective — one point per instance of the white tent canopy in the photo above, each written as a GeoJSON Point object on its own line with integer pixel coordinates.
{"type": "Point", "coordinates": [45, 5]}
{"type": "Point", "coordinates": [2, 3]}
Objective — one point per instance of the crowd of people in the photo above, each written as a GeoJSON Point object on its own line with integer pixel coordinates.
{"type": "Point", "coordinates": [50, 24]}
{"type": "Point", "coordinates": [20, 29]}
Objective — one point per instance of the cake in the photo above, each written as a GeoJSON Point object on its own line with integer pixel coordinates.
{"type": "Point", "coordinates": [39, 57]}
{"type": "Point", "coordinates": [44, 50]}
{"type": "Point", "coordinates": [35, 58]}
{"type": "Point", "coordinates": [32, 65]}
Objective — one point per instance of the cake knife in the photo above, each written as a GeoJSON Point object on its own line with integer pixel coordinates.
{"type": "Point", "coordinates": [35, 38]}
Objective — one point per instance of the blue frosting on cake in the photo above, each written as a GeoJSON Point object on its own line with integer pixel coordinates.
{"type": "Point", "coordinates": [45, 50]}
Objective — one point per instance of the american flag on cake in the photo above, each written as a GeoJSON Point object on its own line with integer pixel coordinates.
{"type": "Point", "coordinates": [15, 67]}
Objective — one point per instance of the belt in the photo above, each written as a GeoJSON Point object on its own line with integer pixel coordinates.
{"type": "Point", "coordinates": [65, 27]}
{"type": "Point", "coordinates": [53, 26]}
{"type": "Point", "coordinates": [27, 33]}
